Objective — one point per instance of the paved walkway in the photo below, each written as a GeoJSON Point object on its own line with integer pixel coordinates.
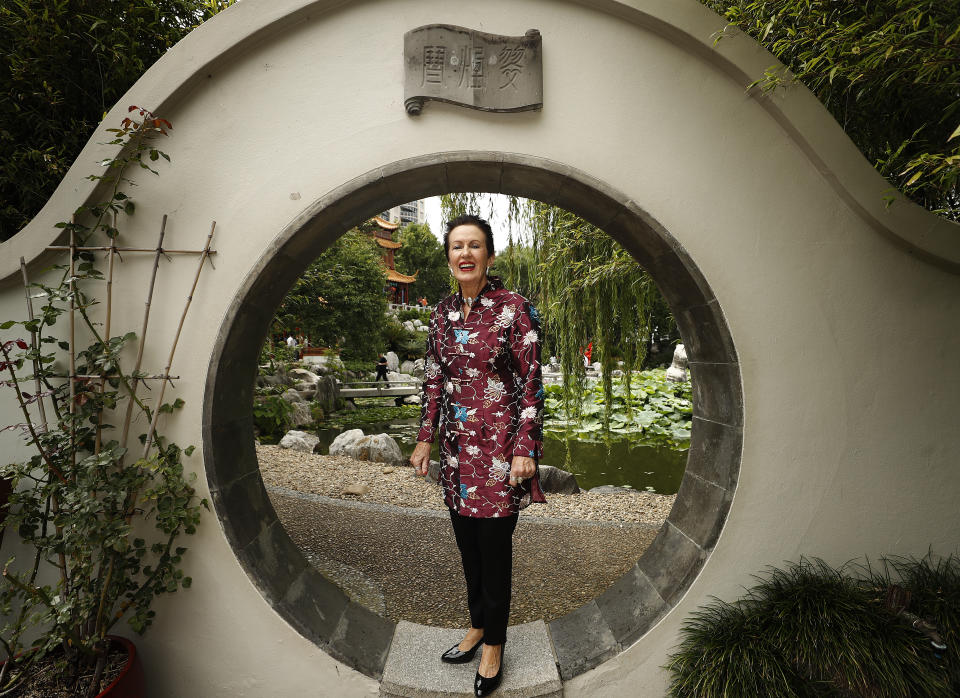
{"type": "Point", "coordinates": [404, 565]}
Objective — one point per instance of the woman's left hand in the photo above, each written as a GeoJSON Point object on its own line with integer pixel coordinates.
{"type": "Point", "coordinates": [521, 467]}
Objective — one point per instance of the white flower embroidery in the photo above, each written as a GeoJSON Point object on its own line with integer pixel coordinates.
{"type": "Point", "coordinates": [431, 369]}
{"type": "Point", "coordinates": [453, 315]}
{"type": "Point", "coordinates": [473, 450]}
{"type": "Point", "coordinates": [452, 461]}
{"type": "Point", "coordinates": [448, 387]}
{"type": "Point", "coordinates": [486, 302]}
{"type": "Point", "coordinates": [506, 316]}
{"type": "Point", "coordinates": [500, 469]}
{"type": "Point", "coordinates": [494, 389]}
{"type": "Point", "coordinates": [473, 372]}
{"type": "Point", "coordinates": [529, 413]}
{"type": "Point", "coordinates": [530, 337]}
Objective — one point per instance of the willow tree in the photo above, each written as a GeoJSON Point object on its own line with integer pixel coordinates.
{"type": "Point", "coordinates": [587, 287]}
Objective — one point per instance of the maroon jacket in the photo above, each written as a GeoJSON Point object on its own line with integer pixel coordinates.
{"type": "Point", "coordinates": [483, 389]}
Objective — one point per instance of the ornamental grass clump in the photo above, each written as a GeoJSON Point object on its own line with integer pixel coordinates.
{"type": "Point", "coordinates": [99, 511]}
{"type": "Point", "coordinates": [812, 630]}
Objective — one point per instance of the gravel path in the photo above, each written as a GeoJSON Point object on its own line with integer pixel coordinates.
{"type": "Point", "coordinates": [392, 548]}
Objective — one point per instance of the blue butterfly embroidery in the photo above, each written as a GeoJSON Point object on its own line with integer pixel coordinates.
{"type": "Point", "coordinates": [534, 314]}
{"type": "Point", "coordinates": [460, 412]}
{"type": "Point", "coordinates": [462, 336]}
{"type": "Point", "coordinates": [540, 393]}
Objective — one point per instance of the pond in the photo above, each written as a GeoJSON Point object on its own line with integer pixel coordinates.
{"type": "Point", "coordinates": [653, 468]}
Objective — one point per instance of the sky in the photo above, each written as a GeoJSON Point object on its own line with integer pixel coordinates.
{"type": "Point", "coordinates": [494, 208]}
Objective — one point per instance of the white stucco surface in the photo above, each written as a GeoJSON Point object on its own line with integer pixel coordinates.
{"type": "Point", "coordinates": [846, 336]}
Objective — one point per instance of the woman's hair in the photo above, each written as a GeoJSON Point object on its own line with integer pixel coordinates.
{"type": "Point", "coordinates": [468, 219]}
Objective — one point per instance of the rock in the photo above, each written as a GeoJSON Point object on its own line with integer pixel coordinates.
{"type": "Point", "coordinates": [411, 400]}
{"type": "Point", "coordinates": [291, 396]}
{"type": "Point", "coordinates": [271, 381]}
{"type": "Point", "coordinates": [393, 361]}
{"type": "Point", "coordinates": [613, 489]}
{"type": "Point", "coordinates": [303, 375]}
{"type": "Point", "coordinates": [379, 448]}
{"type": "Point", "coordinates": [407, 367]}
{"type": "Point", "coordinates": [433, 472]}
{"type": "Point", "coordinates": [389, 469]}
{"type": "Point", "coordinates": [409, 326]}
{"type": "Point", "coordinates": [678, 369]}
{"type": "Point", "coordinates": [301, 415]}
{"type": "Point", "coordinates": [345, 441]}
{"type": "Point", "coordinates": [558, 481]}
{"type": "Point", "coordinates": [356, 489]}
{"type": "Point", "coordinates": [418, 368]}
{"type": "Point", "coordinates": [418, 323]}
{"type": "Point", "coordinates": [350, 406]}
{"type": "Point", "coordinates": [299, 441]}
{"type": "Point", "coordinates": [596, 367]}
{"type": "Point", "coordinates": [327, 393]}
{"type": "Point", "coordinates": [395, 377]}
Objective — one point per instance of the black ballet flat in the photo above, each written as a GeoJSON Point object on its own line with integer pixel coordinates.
{"type": "Point", "coordinates": [484, 686]}
{"type": "Point", "coordinates": [455, 655]}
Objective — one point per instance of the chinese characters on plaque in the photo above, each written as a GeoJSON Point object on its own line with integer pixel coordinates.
{"type": "Point", "coordinates": [471, 68]}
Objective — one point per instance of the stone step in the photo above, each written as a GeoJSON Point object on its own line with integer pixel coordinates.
{"type": "Point", "coordinates": [414, 669]}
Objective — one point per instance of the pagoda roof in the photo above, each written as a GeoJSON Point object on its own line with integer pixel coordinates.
{"type": "Point", "coordinates": [389, 244]}
{"type": "Point", "coordinates": [386, 225]}
{"type": "Point", "coordinates": [394, 275]}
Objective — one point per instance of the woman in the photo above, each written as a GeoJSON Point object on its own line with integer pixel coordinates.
{"type": "Point", "coordinates": [482, 390]}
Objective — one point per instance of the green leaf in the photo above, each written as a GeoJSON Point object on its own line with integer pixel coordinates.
{"type": "Point", "coordinates": [7, 325]}
{"type": "Point", "coordinates": [956, 131]}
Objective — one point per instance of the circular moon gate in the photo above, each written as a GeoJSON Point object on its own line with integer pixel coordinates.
{"type": "Point", "coordinates": [317, 608]}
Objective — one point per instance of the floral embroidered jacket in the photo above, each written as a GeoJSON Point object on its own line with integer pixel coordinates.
{"type": "Point", "coordinates": [483, 390]}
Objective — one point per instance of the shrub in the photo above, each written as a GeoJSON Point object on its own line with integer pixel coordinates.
{"type": "Point", "coordinates": [812, 630]}
{"type": "Point", "coordinates": [271, 417]}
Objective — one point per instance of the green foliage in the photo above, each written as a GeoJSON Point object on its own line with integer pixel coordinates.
{"type": "Point", "coordinates": [63, 65]}
{"type": "Point", "coordinates": [422, 254]}
{"type": "Point", "coordinates": [887, 70]}
{"type": "Point", "coordinates": [402, 341]}
{"type": "Point", "coordinates": [339, 299]}
{"type": "Point", "coordinates": [104, 515]}
{"type": "Point", "coordinates": [655, 412]}
{"type": "Point", "coordinates": [414, 314]}
{"type": "Point", "coordinates": [275, 357]}
{"type": "Point", "coordinates": [808, 630]}
{"type": "Point", "coordinates": [271, 417]}
{"type": "Point", "coordinates": [373, 415]}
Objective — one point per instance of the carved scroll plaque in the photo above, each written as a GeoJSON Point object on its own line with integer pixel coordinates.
{"type": "Point", "coordinates": [472, 68]}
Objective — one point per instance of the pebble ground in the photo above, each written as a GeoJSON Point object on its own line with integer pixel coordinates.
{"type": "Point", "coordinates": [392, 548]}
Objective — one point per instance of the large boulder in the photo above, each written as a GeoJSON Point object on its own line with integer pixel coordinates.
{"type": "Point", "coordinates": [395, 377]}
{"type": "Point", "coordinates": [377, 448]}
{"type": "Point", "coordinates": [411, 400]}
{"type": "Point", "coordinates": [409, 326]}
{"type": "Point", "coordinates": [418, 368]}
{"type": "Point", "coordinates": [291, 396]}
{"type": "Point", "coordinates": [678, 369]}
{"type": "Point", "coordinates": [302, 375]}
{"type": "Point", "coordinates": [300, 415]}
{"type": "Point", "coordinates": [393, 361]}
{"type": "Point", "coordinates": [299, 441]}
{"type": "Point", "coordinates": [327, 392]}
{"type": "Point", "coordinates": [407, 367]}
{"type": "Point", "coordinates": [345, 442]}
{"type": "Point", "coordinates": [558, 481]}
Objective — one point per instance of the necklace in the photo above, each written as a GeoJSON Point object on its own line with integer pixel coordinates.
{"type": "Point", "coordinates": [469, 300]}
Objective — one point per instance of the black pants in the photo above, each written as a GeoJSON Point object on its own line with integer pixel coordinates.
{"type": "Point", "coordinates": [381, 373]}
{"type": "Point", "coordinates": [486, 549]}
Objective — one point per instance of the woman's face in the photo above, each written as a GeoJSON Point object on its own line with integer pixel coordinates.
{"type": "Point", "coordinates": [467, 254]}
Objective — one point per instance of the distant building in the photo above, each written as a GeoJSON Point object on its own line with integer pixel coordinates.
{"type": "Point", "coordinates": [413, 212]}
{"type": "Point", "coordinates": [398, 285]}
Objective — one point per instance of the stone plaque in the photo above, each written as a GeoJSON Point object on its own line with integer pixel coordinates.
{"type": "Point", "coordinates": [472, 68]}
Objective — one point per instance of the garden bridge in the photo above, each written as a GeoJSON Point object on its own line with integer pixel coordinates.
{"type": "Point", "coordinates": [804, 303]}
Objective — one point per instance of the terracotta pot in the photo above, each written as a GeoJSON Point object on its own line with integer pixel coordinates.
{"type": "Point", "coordinates": [131, 682]}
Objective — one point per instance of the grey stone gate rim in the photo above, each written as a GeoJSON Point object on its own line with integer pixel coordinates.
{"type": "Point", "coordinates": [317, 608]}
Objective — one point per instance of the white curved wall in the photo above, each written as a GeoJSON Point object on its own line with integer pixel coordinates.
{"type": "Point", "coordinates": [847, 339]}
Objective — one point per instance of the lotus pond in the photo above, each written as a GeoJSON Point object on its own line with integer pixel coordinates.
{"type": "Point", "coordinates": [645, 447]}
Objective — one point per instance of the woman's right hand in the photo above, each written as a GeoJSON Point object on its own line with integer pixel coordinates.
{"type": "Point", "coordinates": [420, 459]}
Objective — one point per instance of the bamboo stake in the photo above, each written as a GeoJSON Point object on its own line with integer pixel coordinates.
{"type": "Point", "coordinates": [33, 345]}
{"type": "Point", "coordinates": [93, 376]}
{"type": "Point", "coordinates": [73, 360]}
{"type": "Point", "coordinates": [143, 335]}
{"type": "Point", "coordinates": [105, 248]}
{"type": "Point", "coordinates": [176, 338]}
{"type": "Point", "coordinates": [106, 335]}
